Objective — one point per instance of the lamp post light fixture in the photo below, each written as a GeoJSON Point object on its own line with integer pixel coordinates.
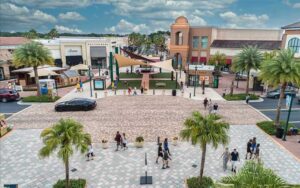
{"type": "Point", "coordinates": [90, 75]}
{"type": "Point", "coordinates": [195, 80]}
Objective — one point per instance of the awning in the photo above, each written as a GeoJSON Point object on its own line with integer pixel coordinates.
{"type": "Point", "coordinates": [125, 61]}
{"type": "Point", "coordinates": [166, 65]}
{"type": "Point", "coordinates": [43, 72]}
{"type": "Point", "coordinates": [29, 69]}
{"type": "Point", "coordinates": [98, 51]}
{"type": "Point", "coordinates": [80, 67]}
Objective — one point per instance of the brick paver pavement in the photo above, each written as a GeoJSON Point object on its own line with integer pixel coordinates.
{"type": "Point", "coordinates": [149, 116]}
{"type": "Point", "coordinates": [19, 162]}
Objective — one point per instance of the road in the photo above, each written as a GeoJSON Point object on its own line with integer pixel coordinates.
{"type": "Point", "coordinates": [268, 107]}
{"type": "Point", "coordinates": [10, 108]}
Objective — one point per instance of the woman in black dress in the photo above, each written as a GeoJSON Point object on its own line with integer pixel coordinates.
{"type": "Point", "coordinates": [159, 153]}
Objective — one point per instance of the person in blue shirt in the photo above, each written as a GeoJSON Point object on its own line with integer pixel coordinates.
{"type": "Point", "coordinates": [234, 159]}
{"type": "Point", "coordinates": [166, 146]}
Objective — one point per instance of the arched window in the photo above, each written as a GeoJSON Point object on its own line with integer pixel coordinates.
{"type": "Point", "coordinates": [294, 44]}
{"type": "Point", "coordinates": [179, 38]}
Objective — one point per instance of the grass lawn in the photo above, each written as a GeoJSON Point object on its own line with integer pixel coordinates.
{"type": "Point", "coordinates": [130, 75]}
{"type": "Point", "coordinates": [130, 83]}
{"type": "Point", "coordinates": [42, 98]}
{"type": "Point", "coordinates": [169, 84]}
{"type": "Point", "coordinates": [162, 75]}
{"type": "Point", "coordinates": [240, 96]}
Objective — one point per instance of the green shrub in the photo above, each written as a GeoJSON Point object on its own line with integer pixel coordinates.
{"type": "Point", "coordinates": [269, 127]}
{"type": "Point", "coordinates": [195, 182]}
{"type": "Point", "coordinates": [139, 139]}
{"type": "Point", "coordinates": [42, 98]}
{"type": "Point", "coordinates": [75, 183]}
{"type": "Point", "coordinates": [240, 96]}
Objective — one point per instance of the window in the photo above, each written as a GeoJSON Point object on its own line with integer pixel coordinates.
{"type": "Point", "coordinates": [195, 41]}
{"type": "Point", "coordinates": [294, 44]}
{"type": "Point", "coordinates": [179, 38]}
{"type": "Point", "coordinates": [204, 41]}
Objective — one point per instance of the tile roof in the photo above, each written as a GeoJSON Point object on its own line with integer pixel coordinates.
{"type": "Point", "coordinates": [266, 45]}
{"type": "Point", "coordinates": [292, 26]}
{"type": "Point", "coordinates": [5, 55]}
{"type": "Point", "coordinates": [7, 41]}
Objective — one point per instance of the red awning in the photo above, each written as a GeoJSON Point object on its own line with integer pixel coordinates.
{"type": "Point", "coordinates": [228, 61]}
{"type": "Point", "coordinates": [194, 59]}
{"type": "Point", "coordinates": [202, 59]}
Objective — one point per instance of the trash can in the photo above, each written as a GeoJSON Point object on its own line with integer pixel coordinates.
{"type": "Point", "coordinates": [279, 132]}
{"type": "Point", "coordinates": [174, 92]}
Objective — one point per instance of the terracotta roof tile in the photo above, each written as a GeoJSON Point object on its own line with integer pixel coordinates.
{"type": "Point", "coordinates": [7, 41]}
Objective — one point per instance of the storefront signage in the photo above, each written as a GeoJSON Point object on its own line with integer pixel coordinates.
{"type": "Point", "coordinates": [73, 51]}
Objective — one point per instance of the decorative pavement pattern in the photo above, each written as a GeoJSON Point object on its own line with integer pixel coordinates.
{"type": "Point", "coordinates": [147, 116]}
{"type": "Point", "coordinates": [19, 162]}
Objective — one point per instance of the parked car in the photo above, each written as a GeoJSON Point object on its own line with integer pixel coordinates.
{"type": "Point", "coordinates": [276, 93]}
{"type": "Point", "coordinates": [8, 95]}
{"type": "Point", "coordinates": [77, 104]}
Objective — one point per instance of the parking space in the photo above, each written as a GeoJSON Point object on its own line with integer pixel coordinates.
{"type": "Point", "coordinates": [9, 108]}
{"type": "Point", "coordinates": [268, 107]}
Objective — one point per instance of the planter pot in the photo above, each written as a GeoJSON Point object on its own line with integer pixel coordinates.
{"type": "Point", "coordinates": [105, 145]}
{"type": "Point", "coordinates": [175, 142]}
{"type": "Point", "coordinates": [279, 132]}
{"type": "Point", "coordinates": [139, 144]}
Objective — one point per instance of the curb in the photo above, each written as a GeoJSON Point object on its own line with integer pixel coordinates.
{"type": "Point", "coordinates": [19, 112]}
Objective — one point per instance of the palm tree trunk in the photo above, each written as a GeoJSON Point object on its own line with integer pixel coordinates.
{"type": "Point", "coordinates": [232, 86]}
{"type": "Point", "coordinates": [247, 86]}
{"type": "Point", "coordinates": [202, 161]}
{"type": "Point", "coordinates": [36, 77]}
{"type": "Point", "coordinates": [277, 119]}
{"type": "Point", "coordinates": [67, 174]}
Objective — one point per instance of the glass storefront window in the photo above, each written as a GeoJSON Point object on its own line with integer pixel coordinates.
{"type": "Point", "coordinates": [195, 41]}
{"type": "Point", "coordinates": [204, 41]}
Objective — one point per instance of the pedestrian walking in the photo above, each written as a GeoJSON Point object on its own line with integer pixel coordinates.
{"type": "Point", "coordinates": [78, 87]}
{"type": "Point", "coordinates": [225, 156]}
{"type": "Point", "coordinates": [90, 152]}
{"type": "Point", "coordinates": [215, 108]}
{"type": "Point", "coordinates": [124, 142]}
{"type": "Point", "coordinates": [166, 158]}
{"type": "Point", "coordinates": [247, 99]}
{"type": "Point", "coordinates": [181, 85]}
{"type": "Point", "coordinates": [249, 146]}
{"type": "Point", "coordinates": [134, 91]}
{"type": "Point", "coordinates": [166, 146]}
{"type": "Point", "coordinates": [142, 90]}
{"type": "Point", "coordinates": [256, 154]}
{"type": "Point", "coordinates": [234, 159]}
{"type": "Point", "coordinates": [129, 90]}
{"type": "Point", "coordinates": [253, 147]}
{"type": "Point", "coordinates": [159, 152]}
{"type": "Point", "coordinates": [205, 103]}
{"type": "Point", "coordinates": [81, 86]}
{"type": "Point", "coordinates": [118, 139]}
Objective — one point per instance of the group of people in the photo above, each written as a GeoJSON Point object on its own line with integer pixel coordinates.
{"type": "Point", "coordinates": [79, 86]}
{"type": "Point", "coordinates": [253, 149]}
{"type": "Point", "coordinates": [134, 91]}
{"type": "Point", "coordinates": [212, 108]}
{"type": "Point", "coordinates": [121, 141]}
{"type": "Point", "coordinates": [164, 153]}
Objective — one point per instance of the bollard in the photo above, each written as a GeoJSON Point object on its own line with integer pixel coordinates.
{"type": "Point", "coordinates": [158, 140]}
{"type": "Point", "coordinates": [190, 95]}
{"type": "Point", "coordinates": [115, 92]}
{"type": "Point", "coordinates": [96, 95]}
{"type": "Point", "coordinates": [153, 91]}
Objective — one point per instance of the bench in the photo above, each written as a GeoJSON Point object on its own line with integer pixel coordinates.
{"type": "Point", "coordinates": [160, 84]}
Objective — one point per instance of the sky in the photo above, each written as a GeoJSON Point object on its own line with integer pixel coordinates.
{"type": "Point", "coordinates": [144, 16]}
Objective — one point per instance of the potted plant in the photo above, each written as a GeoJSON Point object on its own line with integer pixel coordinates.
{"type": "Point", "coordinates": [175, 140]}
{"type": "Point", "coordinates": [139, 142]}
{"type": "Point", "coordinates": [104, 143]}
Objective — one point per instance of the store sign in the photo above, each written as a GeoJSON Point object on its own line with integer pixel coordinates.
{"type": "Point", "coordinates": [73, 51]}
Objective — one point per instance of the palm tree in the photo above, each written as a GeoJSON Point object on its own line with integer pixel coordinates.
{"type": "Point", "coordinates": [62, 137]}
{"type": "Point", "coordinates": [31, 34]}
{"type": "Point", "coordinates": [205, 130]}
{"type": "Point", "coordinates": [53, 33]}
{"type": "Point", "coordinates": [249, 58]}
{"type": "Point", "coordinates": [32, 55]}
{"type": "Point", "coordinates": [218, 59]}
{"type": "Point", "coordinates": [281, 70]}
{"type": "Point", "coordinates": [253, 175]}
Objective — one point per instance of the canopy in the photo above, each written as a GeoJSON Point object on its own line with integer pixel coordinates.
{"type": "Point", "coordinates": [166, 65]}
{"type": "Point", "coordinates": [80, 67]}
{"type": "Point", "coordinates": [125, 61]}
{"type": "Point", "coordinates": [29, 69]}
{"type": "Point", "coordinates": [43, 72]}
{"type": "Point", "coordinates": [136, 56]}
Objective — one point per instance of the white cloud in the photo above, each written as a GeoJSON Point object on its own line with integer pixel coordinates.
{"type": "Point", "coordinates": [64, 29]}
{"type": "Point", "coordinates": [296, 5]}
{"type": "Point", "coordinates": [70, 16]}
{"type": "Point", "coordinates": [13, 17]}
{"type": "Point", "coordinates": [196, 20]}
{"type": "Point", "coordinates": [125, 27]}
{"type": "Point", "coordinates": [51, 3]}
{"type": "Point", "coordinates": [292, 4]}
{"type": "Point", "coordinates": [245, 20]}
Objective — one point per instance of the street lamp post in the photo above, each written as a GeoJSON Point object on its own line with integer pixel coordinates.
{"type": "Point", "coordinates": [195, 83]}
{"type": "Point", "coordinates": [90, 75]}
{"type": "Point", "coordinates": [99, 69]}
{"type": "Point", "coordinates": [288, 117]}
{"type": "Point", "coordinates": [176, 80]}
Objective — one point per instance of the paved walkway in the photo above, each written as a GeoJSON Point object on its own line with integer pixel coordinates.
{"type": "Point", "coordinates": [20, 163]}
{"type": "Point", "coordinates": [149, 116]}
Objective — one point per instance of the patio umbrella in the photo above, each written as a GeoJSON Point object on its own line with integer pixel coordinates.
{"type": "Point", "coordinates": [80, 67]}
{"type": "Point", "coordinates": [43, 72]}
